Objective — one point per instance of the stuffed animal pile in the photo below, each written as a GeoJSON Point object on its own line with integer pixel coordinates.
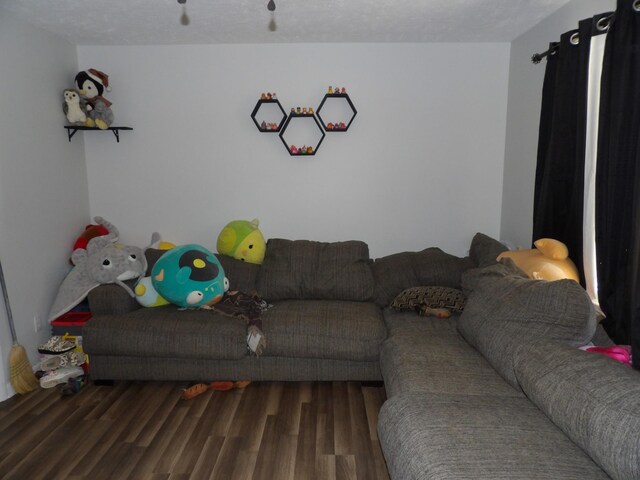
{"type": "Point", "coordinates": [85, 105]}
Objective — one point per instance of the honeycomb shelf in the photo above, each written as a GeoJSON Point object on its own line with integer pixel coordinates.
{"type": "Point", "coordinates": [342, 97]}
{"type": "Point", "coordinates": [261, 103]}
{"type": "Point", "coordinates": [298, 117]}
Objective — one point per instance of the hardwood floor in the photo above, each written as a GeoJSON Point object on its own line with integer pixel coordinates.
{"type": "Point", "coordinates": [145, 430]}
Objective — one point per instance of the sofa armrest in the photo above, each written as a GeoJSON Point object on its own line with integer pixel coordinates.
{"type": "Point", "coordinates": [112, 299]}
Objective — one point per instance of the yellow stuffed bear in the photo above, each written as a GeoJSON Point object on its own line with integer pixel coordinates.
{"type": "Point", "coordinates": [548, 261]}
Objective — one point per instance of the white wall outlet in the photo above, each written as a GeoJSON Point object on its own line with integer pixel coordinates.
{"type": "Point", "coordinates": [38, 323]}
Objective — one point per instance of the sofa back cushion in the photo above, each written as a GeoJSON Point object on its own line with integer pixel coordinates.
{"type": "Point", "coordinates": [303, 269]}
{"type": "Point", "coordinates": [429, 267]}
{"type": "Point", "coordinates": [504, 310]}
{"type": "Point", "coordinates": [593, 399]}
{"type": "Point", "coordinates": [484, 250]}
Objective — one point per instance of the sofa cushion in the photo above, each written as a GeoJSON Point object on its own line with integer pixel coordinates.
{"type": "Point", "coordinates": [302, 269]}
{"type": "Point", "coordinates": [446, 437]}
{"type": "Point", "coordinates": [324, 329]}
{"type": "Point", "coordinates": [242, 275]}
{"type": "Point", "coordinates": [484, 250]}
{"type": "Point", "coordinates": [593, 399]}
{"type": "Point", "coordinates": [504, 310]}
{"type": "Point", "coordinates": [433, 297]}
{"type": "Point", "coordinates": [166, 332]}
{"type": "Point", "coordinates": [434, 363]}
{"type": "Point", "coordinates": [397, 272]}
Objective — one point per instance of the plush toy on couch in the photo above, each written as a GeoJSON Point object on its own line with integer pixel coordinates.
{"type": "Point", "coordinates": [548, 261]}
{"type": "Point", "coordinates": [189, 276]}
{"type": "Point", "coordinates": [243, 241]}
{"type": "Point", "coordinates": [104, 261]}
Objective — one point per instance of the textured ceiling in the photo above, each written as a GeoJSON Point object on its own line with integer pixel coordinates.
{"type": "Point", "coordinates": [157, 22]}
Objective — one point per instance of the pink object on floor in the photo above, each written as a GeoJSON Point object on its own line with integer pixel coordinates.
{"type": "Point", "coordinates": [621, 353]}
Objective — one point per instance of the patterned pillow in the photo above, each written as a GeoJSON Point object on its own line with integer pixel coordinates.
{"type": "Point", "coordinates": [431, 297]}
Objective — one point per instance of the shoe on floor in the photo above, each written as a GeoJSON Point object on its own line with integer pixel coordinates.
{"type": "Point", "coordinates": [56, 345]}
{"type": "Point", "coordinates": [68, 359]}
{"type": "Point", "coordinates": [61, 375]}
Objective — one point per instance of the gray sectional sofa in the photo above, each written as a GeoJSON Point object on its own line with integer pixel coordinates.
{"type": "Point", "coordinates": [499, 392]}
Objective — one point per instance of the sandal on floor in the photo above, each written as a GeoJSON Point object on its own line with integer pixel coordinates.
{"type": "Point", "coordinates": [56, 345]}
{"type": "Point", "coordinates": [194, 391]}
{"type": "Point", "coordinates": [72, 358]}
{"type": "Point", "coordinates": [241, 384]}
{"type": "Point", "coordinates": [221, 386]}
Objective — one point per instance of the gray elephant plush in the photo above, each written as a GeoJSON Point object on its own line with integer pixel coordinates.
{"type": "Point", "coordinates": [104, 261]}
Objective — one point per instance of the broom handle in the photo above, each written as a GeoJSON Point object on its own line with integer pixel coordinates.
{"type": "Point", "coordinates": [7, 306]}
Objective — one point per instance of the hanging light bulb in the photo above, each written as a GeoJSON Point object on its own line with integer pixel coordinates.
{"type": "Point", "coordinates": [271, 6]}
{"type": "Point", "coordinates": [184, 18]}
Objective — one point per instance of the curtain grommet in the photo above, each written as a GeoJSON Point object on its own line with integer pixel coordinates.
{"type": "Point", "coordinates": [605, 22]}
{"type": "Point", "coordinates": [575, 38]}
{"type": "Point", "coordinates": [636, 5]}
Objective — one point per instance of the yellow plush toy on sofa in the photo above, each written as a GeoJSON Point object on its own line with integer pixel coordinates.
{"type": "Point", "coordinates": [548, 261]}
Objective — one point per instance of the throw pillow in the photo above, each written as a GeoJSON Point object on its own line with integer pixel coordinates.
{"type": "Point", "coordinates": [424, 298]}
{"type": "Point", "coordinates": [484, 250]}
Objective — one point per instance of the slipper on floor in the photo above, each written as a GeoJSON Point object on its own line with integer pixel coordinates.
{"type": "Point", "coordinates": [56, 345]}
{"type": "Point", "coordinates": [241, 384]}
{"type": "Point", "coordinates": [221, 386]}
{"type": "Point", "coordinates": [194, 391]}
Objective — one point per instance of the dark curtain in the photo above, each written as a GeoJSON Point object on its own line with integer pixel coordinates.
{"type": "Point", "coordinates": [618, 181]}
{"type": "Point", "coordinates": [559, 187]}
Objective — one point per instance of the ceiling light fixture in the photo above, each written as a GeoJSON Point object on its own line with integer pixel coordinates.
{"type": "Point", "coordinates": [271, 6]}
{"type": "Point", "coordinates": [184, 18]}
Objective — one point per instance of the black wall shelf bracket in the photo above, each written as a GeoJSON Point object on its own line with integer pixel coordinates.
{"type": "Point", "coordinates": [72, 129]}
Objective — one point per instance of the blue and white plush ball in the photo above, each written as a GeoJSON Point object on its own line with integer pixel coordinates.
{"type": "Point", "coordinates": [189, 276]}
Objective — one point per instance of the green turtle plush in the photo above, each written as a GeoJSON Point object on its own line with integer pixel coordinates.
{"type": "Point", "coordinates": [243, 241]}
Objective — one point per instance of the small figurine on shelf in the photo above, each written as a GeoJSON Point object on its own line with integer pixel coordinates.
{"type": "Point", "coordinates": [311, 110]}
{"type": "Point", "coordinates": [293, 109]}
{"type": "Point", "coordinates": [75, 108]}
{"type": "Point", "coordinates": [269, 96]}
{"type": "Point", "coordinates": [92, 83]}
{"type": "Point", "coordinates": [336, 90]}
{"type": "Point", "coordinates": [329, 126]}
{"type": "Point", "coordinates": [263, 125]}
{"type": "Point", "coordinates": [298, 110]}
{"type": "Point", "coordinates": [274, 96]}
{"type": "Point", "coordinates": [330, 91]}
{"type": "Point", "coordinates": [263, 96]}
{"type": "Point", "coordinates": [303, 150]}
{"type": "Point", "coordinates": [293, 149]}
{"type": "Point", "coordinates": [343, 90]}
{"type": "Point", "coordinates": [310, 150]}
{"type": "Point", "coordinates": [304, 110]}
{"type": "Point", "coordinates": [343, 126]}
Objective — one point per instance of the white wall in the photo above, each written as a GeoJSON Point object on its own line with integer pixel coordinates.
{"type": "Point", "coordinates": [43, 180]}
{"type": "Point", "coordinates": [420, 166]}
{"type": "Point", "coordinates": [523, 116]}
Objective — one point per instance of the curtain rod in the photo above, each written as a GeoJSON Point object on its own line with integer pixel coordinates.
{"type": "Point", "coordinates": [537, 57]}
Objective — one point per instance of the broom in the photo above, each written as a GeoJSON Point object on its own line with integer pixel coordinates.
{"type": "Point", "coordinates": [23, 380]}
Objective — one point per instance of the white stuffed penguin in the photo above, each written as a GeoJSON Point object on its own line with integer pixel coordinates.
{"type": "Point", "coordinates": [92, 83]}
{"type": "Point", "coordinates": [74, 107]}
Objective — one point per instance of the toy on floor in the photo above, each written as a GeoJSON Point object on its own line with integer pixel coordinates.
{"type": "Point", "coordinates": [92, 83]}
{"type": "Point", "coordinates": [104, 261]}
{"type": "Point", "coordinates": [189, 276]}
{"type": "Point", "coordinates": [548, 261]}
{"type": "Point", "coordinates": [199, 388]}
{"type": "Point", "coordinates": [243, 241]}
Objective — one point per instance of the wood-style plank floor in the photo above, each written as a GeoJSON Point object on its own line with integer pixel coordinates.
{"type": "Point", "coordinates": [145, 430]}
